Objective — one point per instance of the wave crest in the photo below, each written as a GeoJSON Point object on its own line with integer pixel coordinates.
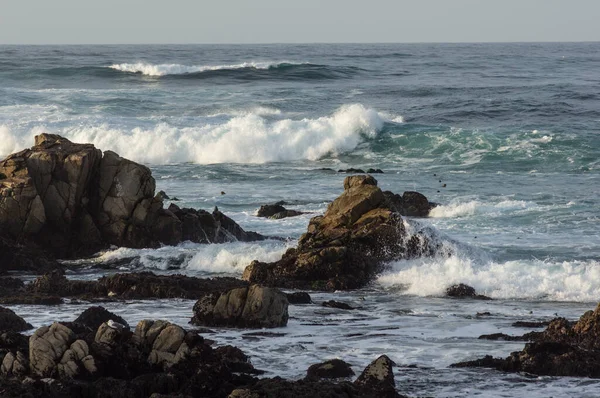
{"type": "Point", "coordinates": [247, 138]}
{"type": "Point", "coordinates": [177, 69]}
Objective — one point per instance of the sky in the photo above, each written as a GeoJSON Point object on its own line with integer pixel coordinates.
{"type": "Point", "coordinates": [298, 21]}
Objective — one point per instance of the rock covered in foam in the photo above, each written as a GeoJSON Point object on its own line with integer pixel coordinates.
{"type": "Point", "coordinates": [347, 246]}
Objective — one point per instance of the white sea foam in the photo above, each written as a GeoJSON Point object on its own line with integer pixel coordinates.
{"type": "Point", "coordinates": [551, 280]}
{"type": "Point", "coordinates": [177, 69]}
{"type": "Point", "coordinates": [229, 258]}
{"type": "Point", "coordinates": [474, 207]}
{"type": "Point", "coordinates": [248, 138]}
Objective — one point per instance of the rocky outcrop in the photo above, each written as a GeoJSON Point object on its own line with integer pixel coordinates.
{"type": "Point", "coordinates": [72, 199]}
{"type": "Point", "coordinates": [159, 357]}
{"type": "Point", "coordinates": [246, 307]}
{"type": "Point", "coordinates": [411, 204]}
{"type": "Point", "coordinates": [563, 349]}
{"type": "Point", "coordinates": [347, 246]}
{"type": "Point", "coordinates": [11, 322]}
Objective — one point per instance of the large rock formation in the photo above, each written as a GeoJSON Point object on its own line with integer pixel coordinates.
{"type": "Point", "coordinates": [347, 246]}
{"type": "Point", "coordinates": [563, 349]}
{"type": "Point", "coordinates": [72, 199]}
{"type": "Point", "coordinates": [252, 306]}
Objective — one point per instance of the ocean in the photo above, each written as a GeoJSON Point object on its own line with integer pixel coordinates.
{"type": "Point", "coordinates": [505, 137]}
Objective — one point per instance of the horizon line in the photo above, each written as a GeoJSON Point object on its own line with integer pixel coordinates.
{"type": "Point", "coordinates": [298, 43]}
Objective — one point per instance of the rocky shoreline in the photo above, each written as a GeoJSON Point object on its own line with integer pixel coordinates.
{"type": "Point", "coordinates": [65, 200]}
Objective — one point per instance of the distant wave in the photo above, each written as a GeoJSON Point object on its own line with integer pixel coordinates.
{"type": "Point", "coordinates": [251, 137]}
{"type": "Point", "coordinates": [177, 69]}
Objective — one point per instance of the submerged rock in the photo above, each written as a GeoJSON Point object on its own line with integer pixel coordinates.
{"type": "Point", "coordinates": [347, 246]}
{"type": "Point", "coordinates": [72, 199]}
{"type": "Point", "coordinates": [337, 304]}
{"type": "Point", "coordinates": [563, 349]}
{"type": "Point", "coordinates": [276, 212]}
{"type": "Point", "coordinates": [252, 306]}
{"type": "Point", "coordinates": [298, 298]}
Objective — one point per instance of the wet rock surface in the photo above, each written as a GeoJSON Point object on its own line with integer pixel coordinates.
{"type": "Point", "coordinates": [332, 369]}
{"type": "Point", "coordinates": [72, 199]}
{"type": "Point", "coordinates": [347, 246]}
{"type": "Point", "coordinates": [11, 322]}
{"type": "Point", "coordinates": [276, 212]}
{"type": "Point", "coordinates": [563, 349]}
{"type": "Point", "coordinates": [299, 298]}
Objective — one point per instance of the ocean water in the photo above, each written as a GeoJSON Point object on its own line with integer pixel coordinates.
{"type": "Point", "coordinates": [506, 137]}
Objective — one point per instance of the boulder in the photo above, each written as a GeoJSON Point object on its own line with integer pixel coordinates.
{"type": "Point", "coordinates": [332, 369]}
{"type": "Point", "coordinates": [11, 322]}
{"type": "Point", "coordinates": [337, 304]}
{"type": "Point", "coordinates": [347, 246]}
{"type": "Point", "coordinates": [93, 317]}
{"type": "Point", "coordinates": [47, 346]}
{"type": "Point", "coordinates": [247, 307]}
{"type": "Point", "coordinates": [411, 204]}
{"type": "Point", "coordinates": [276, 212]}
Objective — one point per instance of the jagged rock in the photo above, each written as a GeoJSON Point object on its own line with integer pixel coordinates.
{"type": "Point", "coordinates": [346, 247]}
{"type": "Point", "coordinates": [332, 369]}
{"type": "Point", "coordinates": [9, 321]}
{"type": "Point", "coordinates": [72, 199]}
{"type": "Point", "coordinates": [299, 298]}
{"type": "Point", "coordinates": [253, 306]}
{"type": "Point", "coordinates": [464, 291]}
{"type": "Point", "coordinates": [47, 346]}
{"type": "Point", "coordinates": [93, 317]}
{"type": "Point", "coordinates": [563, 349]}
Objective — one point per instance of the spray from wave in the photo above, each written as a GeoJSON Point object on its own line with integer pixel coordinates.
{"type": "Point", "coordinates": [177, 69]}
{"type": "Point", "coordinates": [247, 138]}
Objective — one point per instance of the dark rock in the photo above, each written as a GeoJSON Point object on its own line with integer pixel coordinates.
{"type": "Point", "coordinates": [527, 324]}
{"type": "Point", "coordinates": [563, 349]}
{"type": "Point", "coordinates": [411, 204]}
{"type": "Point", "coordinates": [374, 171]}
{"type": "Point", "coordinates": [346, 247]}
{"type": "Point", "coordinates": [352, 170]}
{"type": "Point", "coordinates": [332, 369]}
{"type": "Point", "coordinates": [464, 291]}
{"type": "Point", "coordinates": [269, 210]}
{"type": "Point", "coordinates": [93, 317]}
{"type": "Point", "coordinates": [253, 306]}
{"type": "Point", "coordinates": [298, 298]}
{"type": "Point", "coordinates": [22, 257]}
{"type": "Point", "coordinates": [337, 304]}
{"type": "Point", "coordinates": [286, 214]}
{"type": "Point", "coordinates": [11, 322]}
{"type": "Point", "coordinates": [532, 336]}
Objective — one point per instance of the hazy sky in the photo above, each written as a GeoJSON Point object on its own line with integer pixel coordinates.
{"type": "Point", "coordinates": [304, 21]}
